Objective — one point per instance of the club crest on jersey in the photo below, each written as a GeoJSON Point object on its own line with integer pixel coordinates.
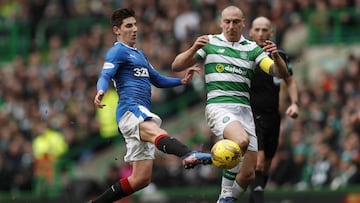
{"type": "Point", "coordinates": [220, 68]}
{"type": "Point", "coordinates": [226, 119]}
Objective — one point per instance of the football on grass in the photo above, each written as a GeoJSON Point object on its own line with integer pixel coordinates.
{"type": "Point", "coordinates": [225, 154]}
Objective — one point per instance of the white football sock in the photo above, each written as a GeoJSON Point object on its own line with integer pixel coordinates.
{"type": "Point", "coordinates": [237, 190]}
{"type": "Point", "coordinates": [228, 179]}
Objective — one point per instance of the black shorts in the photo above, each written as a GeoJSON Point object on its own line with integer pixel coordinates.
{"type": "Point", "coordinates": [267, 127]}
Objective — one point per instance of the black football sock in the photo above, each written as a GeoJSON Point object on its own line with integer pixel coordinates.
{"type": "Point", "coordinates": [170, 145]}
{"type": "Point", "coordinates": [117, 191]}
{"type": "Point", "coordinates": [257, 188]}
{"type": "Point", "coordinates": [266, 178]}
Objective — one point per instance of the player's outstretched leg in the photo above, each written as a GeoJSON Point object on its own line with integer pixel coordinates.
{"type": "Point", "coordinates": [226, 200]}
{"type": "Point", "coordinates": [190, 159]}
{"type": "Point", "coordinates": [195, 158]}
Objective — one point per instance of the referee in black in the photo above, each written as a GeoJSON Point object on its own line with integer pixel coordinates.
{"type": "Point", "coordinates": [264, 98]}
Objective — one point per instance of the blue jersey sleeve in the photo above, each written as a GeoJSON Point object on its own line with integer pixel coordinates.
{"type": "Point", "coordinates": [109, 70]}
{"type": "Point", "coordinates": [104, 80]}
{"type": "Point", "coordinates": [162, 81]}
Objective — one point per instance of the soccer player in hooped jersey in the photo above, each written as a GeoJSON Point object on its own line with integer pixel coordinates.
{"type": "Point", "coordinates": [133, 75]}
{"type": "Point", "coordinates": [229, 61]}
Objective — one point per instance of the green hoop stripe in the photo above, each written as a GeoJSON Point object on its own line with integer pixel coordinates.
{"type": "Point", "coordinates": [229, 175]}
{"type": "Point", "coordinates": [227, 99]}
{"type": "Point", "coordinates": [227, 86]}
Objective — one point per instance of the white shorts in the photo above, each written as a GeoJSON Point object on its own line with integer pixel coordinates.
{"type": "Point", "coordinates": [129, 127]}
{"type": "Point", "coordinates": [218, 116]}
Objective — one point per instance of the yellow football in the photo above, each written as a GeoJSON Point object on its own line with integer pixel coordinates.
{"type": "Point", "coordinates": [226, 154]}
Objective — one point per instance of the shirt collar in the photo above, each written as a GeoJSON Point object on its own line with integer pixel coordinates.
{"type": "Point", "coordinates": [118, 42]}
{"type": "Point", "coordinates": [222, 37]}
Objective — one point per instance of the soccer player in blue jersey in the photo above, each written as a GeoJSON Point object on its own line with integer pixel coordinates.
{"type": "Point", "coordinates": [132, 74]}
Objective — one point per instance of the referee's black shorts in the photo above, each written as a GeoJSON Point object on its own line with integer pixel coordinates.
{"type": "Point", "coordinates": [267, 126]}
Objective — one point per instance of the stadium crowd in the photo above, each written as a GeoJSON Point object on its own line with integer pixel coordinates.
{"type": "Point", "coordinates": [46, 98]}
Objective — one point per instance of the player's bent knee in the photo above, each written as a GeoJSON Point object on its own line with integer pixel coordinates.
{"type": "Point", "coordinates": [244, 143]}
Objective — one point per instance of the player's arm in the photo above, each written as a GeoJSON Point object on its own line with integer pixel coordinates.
{"type": "Point", "coordinates": [187, 58]}
{"type": "Point", "coordinates": [162, 81]}
{"type": "Point", "coordinates": [291, 86]}
{"type": "Point", "coordinates": [102, 85]}
{"type": "Point", "coordinates": [275, 66]}
{"type": "Point", "coordinates": [190, 73]}
{"type": "Point", "coordinates": [293, 109]}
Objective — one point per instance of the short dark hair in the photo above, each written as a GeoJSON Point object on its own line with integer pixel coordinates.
{"type": "Point", "coordinates": [120, 14]}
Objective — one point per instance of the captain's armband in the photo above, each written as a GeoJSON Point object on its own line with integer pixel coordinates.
{"type": "Point", "coordinates": [265, 65]}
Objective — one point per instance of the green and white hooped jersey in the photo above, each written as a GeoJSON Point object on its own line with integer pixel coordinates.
{"type": "Point", "coordinates": [229, 67]}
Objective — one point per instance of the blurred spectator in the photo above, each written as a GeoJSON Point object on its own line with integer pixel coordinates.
{"type": "Point", "coordinates": [296, 30]}
{"type": "Point", "coordinates": [323, 168]}
{"type": "Point", "coordinates": [282, 164]}
{"type": "Point", "coordinates": [36, 12]}
{"type": "Point", "coordinates": [195, 139]}
{"type": "Point", "coordinates": [187, 22]}
{"type": "Point", "coordinates": [48, 146]}
{"type": "Point", "coordinates": [106, 116]}
{"type": "Point", "coordinates": [16, 165]}
{"type": "Point", "coordinates": [10, 10]}
{"type": "Point", "coordinates": [299, 149]}
{"type": "Point", "coordinates": [320, 19]}
{"type": "Point", "coordinates": [347, 164]}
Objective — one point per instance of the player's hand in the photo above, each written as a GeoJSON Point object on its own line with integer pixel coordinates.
{"type": "Point", "coordinates": [281, 70]}
{"type": "Point", "coordinates": [99, 96]}
{"type": "Point", "coordinates": [270, 46]}
{"type": "Point", "coordinates": [200, 42]}
{"type": "Point", "coordinates": [189, 73]}
{"type": "Point", "coordinates": [292, 110]}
